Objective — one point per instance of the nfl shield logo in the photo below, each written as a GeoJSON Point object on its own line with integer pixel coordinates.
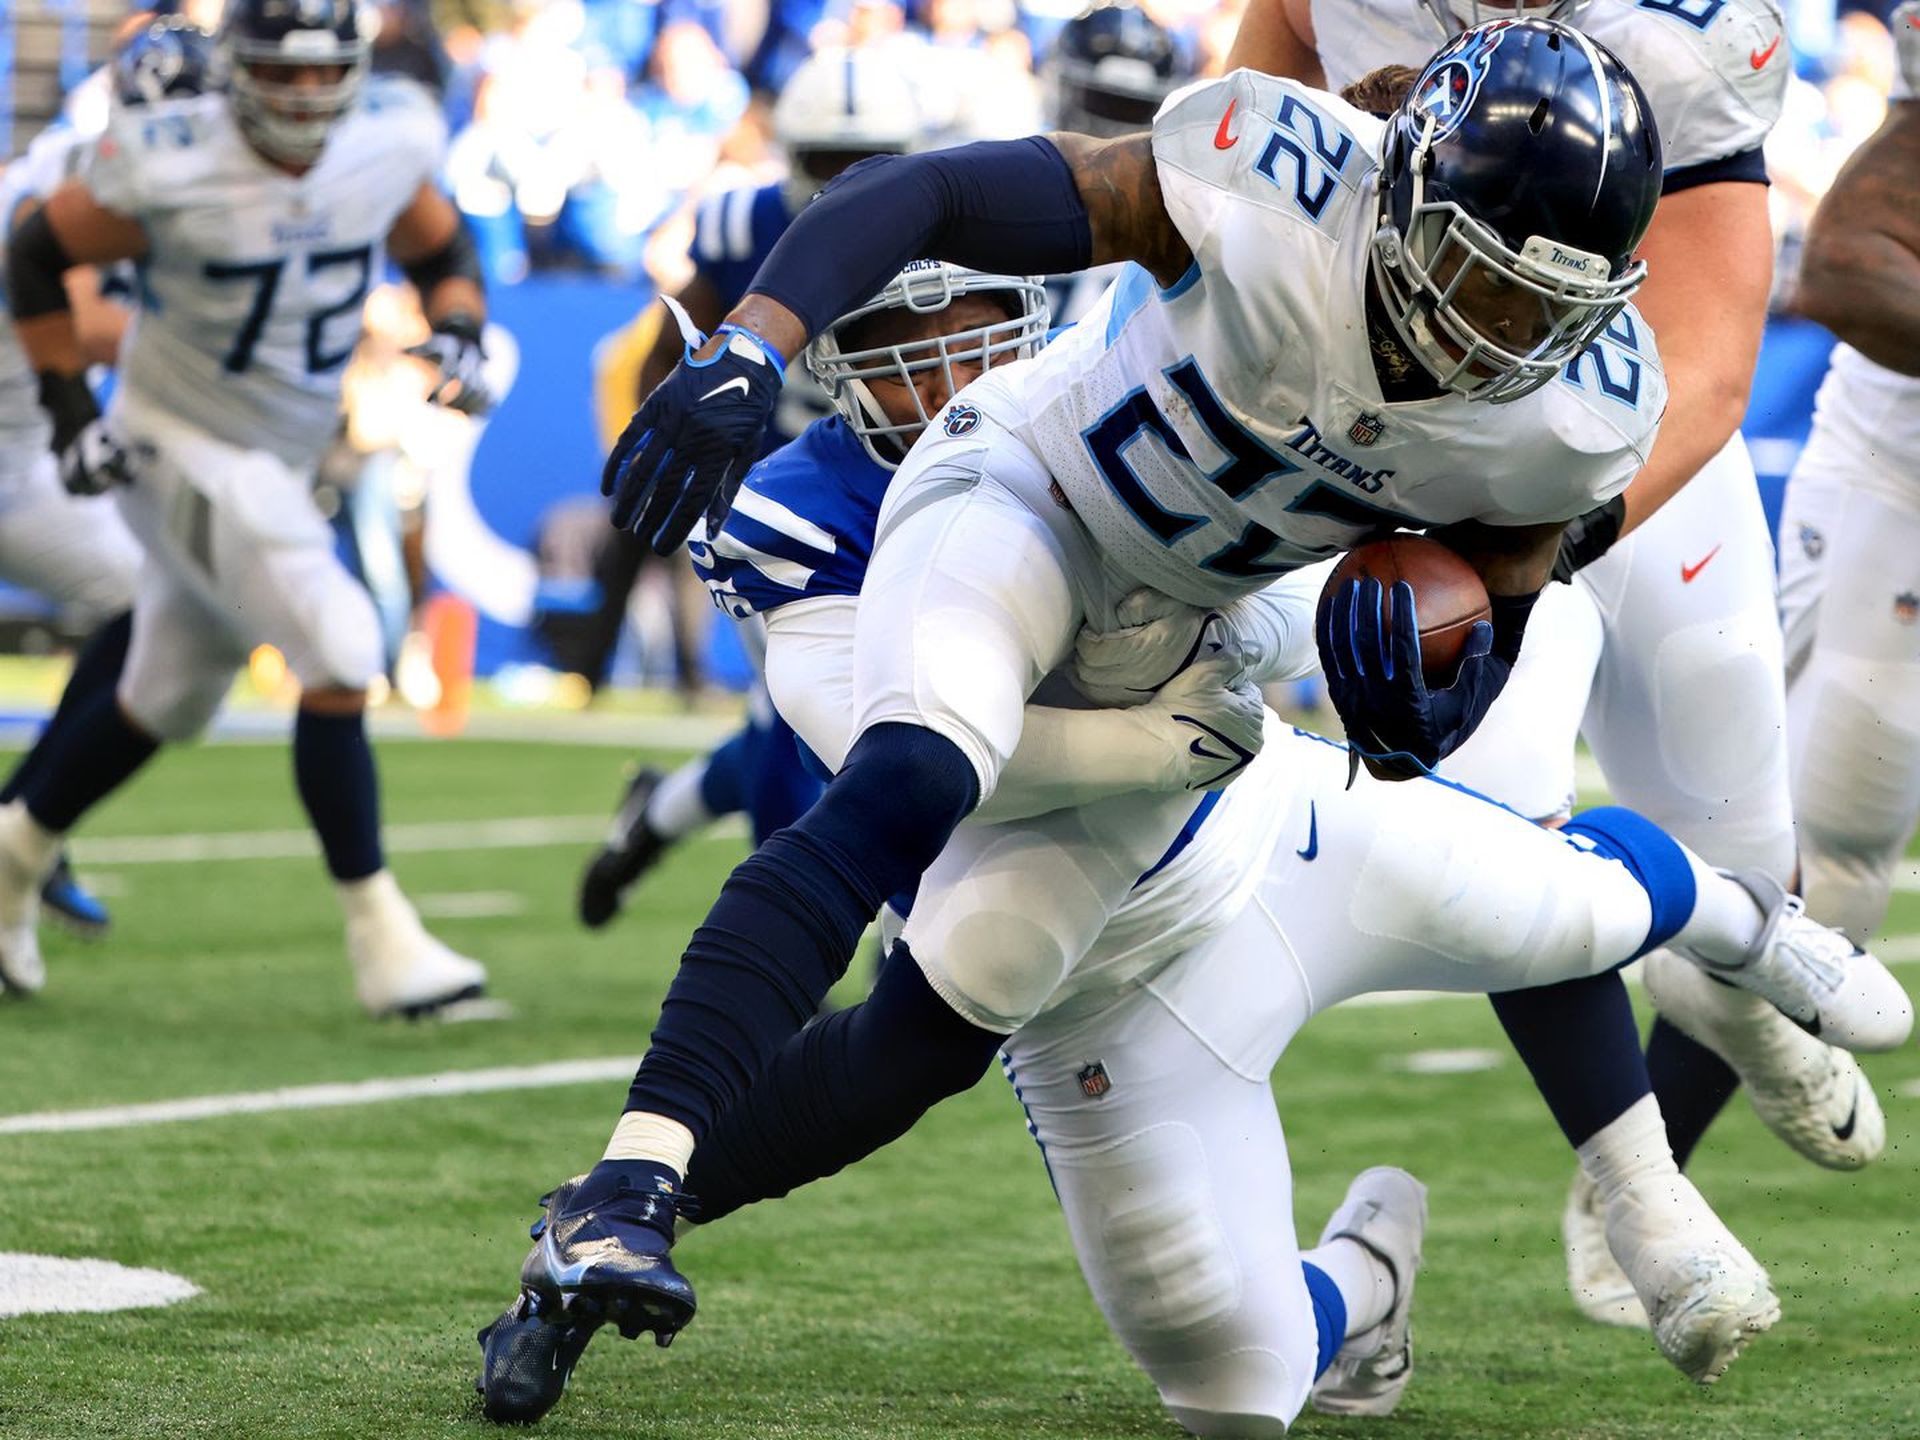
{"type": "Point", "coordinates": [1093, 1081]}
{"type": "Point", "coordinates": [960, 419]}
{"type": "Point", "coordinates": [1366, 429]}
{"type": "Point", "coordinates": [1906, 607]}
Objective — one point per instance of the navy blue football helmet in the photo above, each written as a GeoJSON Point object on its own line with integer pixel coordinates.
{"type": "Point", "coordinates": [270, 50]}
{"type": "Point", "coordinates": [1108, 70]}
{"type": "Point", "coordinates": [170, 59]}
{"type": "Point", "coordinates": [1516, 179]}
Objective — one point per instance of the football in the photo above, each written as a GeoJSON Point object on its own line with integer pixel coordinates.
{"type": "Point", "coordinates": [1449, 596]}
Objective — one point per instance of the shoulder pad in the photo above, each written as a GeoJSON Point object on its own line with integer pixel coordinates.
{"type": "Point", "coordinates": [149, 153]}
{"type": "Point", "coordinates": [409, 117]}
{"type": "Point", "coordinates": [1715, 70]}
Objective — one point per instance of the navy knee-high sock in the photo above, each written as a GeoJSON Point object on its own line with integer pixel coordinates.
{"type": "Point", "coordinates": [839, 1090]}
{"type": "Point", "coordinates": [96, 671]}
{"type": "Point", "coordinates": [789, 917]}
{"type": "Point", "coordinates": [1580, 1043]}
{"type": "Point", "coordinates": [1692, 1084]}
{"type": "Point", "coordinates": [333, 769]}
{"type": "Point", "coordinates": [99, 750]}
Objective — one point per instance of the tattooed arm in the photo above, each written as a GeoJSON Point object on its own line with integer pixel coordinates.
{"type": "Point", "coordinates": [1086, 202]}
{"type": "Point", "coordinates": [1861, 275]}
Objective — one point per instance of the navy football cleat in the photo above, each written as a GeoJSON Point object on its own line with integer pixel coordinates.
{"type": "Point", "coordinates": [600, 1253]}
{"type": "Point", "coordinates": [631, 849]}
{"type": "Point", "coordinates": [66, 900]}
{"type": "Point", "coordinates": [526, 1360]}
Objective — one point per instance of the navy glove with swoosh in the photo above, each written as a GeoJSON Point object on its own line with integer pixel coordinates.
{"type": "Point", "coordinates": [689, 445]}
{"type": "Point", "coordinates": [1398, 725]}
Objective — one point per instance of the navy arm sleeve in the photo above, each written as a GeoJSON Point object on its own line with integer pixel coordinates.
{"type": "Point", "coordinates": [1009, 206]}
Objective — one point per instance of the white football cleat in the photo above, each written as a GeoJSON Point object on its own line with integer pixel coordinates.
{"type": "Point", "coordinates": [1599, 1286]}
{"type": "Point", "coordinates": [1814, 975]}
{"type": "Point", "coordinates": [28, 853]}
{"type": "Point", "coordinates": [1704, 1295]}
{"type": "Point", "coordinates": [1813, 1096]}
{"type": "Point", "coordinates": [398, 968]}
{"type": "Point", "coordinates": [1386, 1212]}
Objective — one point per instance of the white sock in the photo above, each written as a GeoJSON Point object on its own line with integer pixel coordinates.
{"type": "Point", "coordinates": [38, 846]}
{"type": "Point", "coordinates": [1629, 1148]}
{"type": "Point", "coordinates": [641, 1135]}
{"type": "Point", "coordinates": [1361, 1277]}
{"type": "Point", "coordinates": [1726, 919]}
{"type": "Point", "coordinates": [676, 808]}
{"type": "Point", "coordinates": [371, 898]}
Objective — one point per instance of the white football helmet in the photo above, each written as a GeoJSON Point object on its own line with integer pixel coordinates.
{"type": "Point", "coordinates": [841, 106]}
{"type": "Point", "coordinates": [925, 287]}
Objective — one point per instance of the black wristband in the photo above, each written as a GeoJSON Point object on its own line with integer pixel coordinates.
{"type": "Point", "coordinates": [1588, 537]}
{"type": "Point", "coordinates": [69, 403]}
{"type": "Point", "coordinates": [458, 259]}
{"type": "Point", "coordinates": [461, 324]}
{"type": "Point", "coordinates": [871, 219]}
{"type": "Point", "coordinates": [1510, 614]}
{"type": "Point", "coordinates": [36, 265]}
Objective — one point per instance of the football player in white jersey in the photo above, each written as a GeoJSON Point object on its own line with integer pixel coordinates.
{"type": "Point", "coordinates": [1145, 1072]}
{"type": "Point", "coordinates": [1664, 649]}
{"type": "Point", "coordinates": [1850, 528]}
{"type": "Point", "coordinates": [1301, 304]}
{"type": "Point", "coordinates": [75, 549]}
{"type": "Point", "coordinates": [260, 217]}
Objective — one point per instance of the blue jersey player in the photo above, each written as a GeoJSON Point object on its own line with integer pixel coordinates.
{"type": "Point", "coordinates": [840, 107]}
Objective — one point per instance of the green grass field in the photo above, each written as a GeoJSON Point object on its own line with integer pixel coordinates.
{"type": "Point", "coordinates": [348, 1255]}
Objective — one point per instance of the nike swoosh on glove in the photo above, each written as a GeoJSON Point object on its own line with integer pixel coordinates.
{"type": "Point", "coordinates": [1216, 720]}
{"type": "Point", "coordinates": [1394, 721]}
{"type": "Point", "coordinates": [689, 445]}
{"type": "Point", "coordinates": [1154, 639]}
{"type": "Point", "coordinates": [456, 351]}
{"type": "Point", "coordinates": [91, 460]}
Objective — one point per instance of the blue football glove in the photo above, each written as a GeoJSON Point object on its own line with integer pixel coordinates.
{"type": "Point", "coordinates": [689, 445]}
{"type": "Point", "coordinates": [1399, 726]}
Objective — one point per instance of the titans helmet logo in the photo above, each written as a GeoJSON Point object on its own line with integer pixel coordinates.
{"type": "Point", "coordinates": [1445, 91]}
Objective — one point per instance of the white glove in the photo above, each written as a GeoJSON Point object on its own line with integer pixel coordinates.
{"type": "Point", "coordinates": [456, 351]}
{"type": "Point", "coordinates": [1156, 638]}
{"type": "Point", "coordinates": [94, 462]}
{"type": "Point", "coordinates": [1212, 722]}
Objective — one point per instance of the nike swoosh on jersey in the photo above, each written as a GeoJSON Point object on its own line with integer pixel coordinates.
{"type": "Point", "coordinates": [1687, 572]}
{"type": "Point", "coordinates": [1759, 58]}
{"type": "Point", "coordinates": [1313, 836]}
{"type": "Point", "coordinates": [1223, 141]}
{"type": "Point", "coordinates": [739, 380]}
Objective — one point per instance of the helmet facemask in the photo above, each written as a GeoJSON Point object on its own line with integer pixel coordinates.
{"type": "Point", "coordinates": [923, 288]}
{"type": "Point", "coordinates": [1485, 320]}
{"type": "Point", "coordinates": [286, 120]}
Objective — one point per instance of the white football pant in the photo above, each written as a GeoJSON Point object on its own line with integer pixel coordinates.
{"type": "Point", "coordinates": [1850, 607]}
{"type": "Point", "coordinates": [1151, 1099]}
{"type": "Point", "coordinates": [1665, 653]}
{"type": "Point", "coordinates": [73, 549]}
{"type": "Point", "coordinates": [237, 555]}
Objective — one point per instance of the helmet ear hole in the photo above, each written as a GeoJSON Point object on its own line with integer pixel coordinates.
{"type": "Point", "coordinates": [1537, 121]}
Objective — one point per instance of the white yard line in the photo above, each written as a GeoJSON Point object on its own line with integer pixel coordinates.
{"type": "Point", "coordinates": [324, 1097]}
{"type": "Point", "coordinates": [522, 833]}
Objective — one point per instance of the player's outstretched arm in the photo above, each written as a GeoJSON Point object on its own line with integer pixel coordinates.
{"type": "Point", "coordinates": [1861, 273]}
{"type": "Point", "coordinates": [1080, 202]}
{"type": "Point", "coordinates": [71, 229]}
{"type": "Point", "coordinates": [433, 248]}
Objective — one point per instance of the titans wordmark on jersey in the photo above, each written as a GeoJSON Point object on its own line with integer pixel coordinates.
{"type": "Point", "coordinates": [254, 279]}
{"type": "Point", "coordinates": [1715, 71]}
{"type": "Point", "coordinates": [1230, 428]}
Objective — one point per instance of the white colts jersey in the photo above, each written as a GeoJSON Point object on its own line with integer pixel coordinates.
{"type": "Point", "coordinates": [1715, 71]}
{"type": "Point", "coordinates": [255, 278]}
{"type": "Point", "coordinates": [1231, 428]}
